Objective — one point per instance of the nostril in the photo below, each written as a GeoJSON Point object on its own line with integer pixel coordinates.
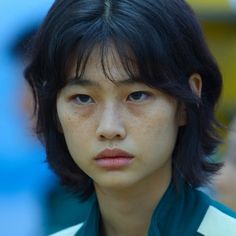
{"type": "Point", "coordinates": [109, 134]}
{"type": "Point", "coordinates": [102, 136]}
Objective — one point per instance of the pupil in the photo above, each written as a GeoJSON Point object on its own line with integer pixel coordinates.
{"type": "Point", "coordinates": [136, 95]}
{"type": "Point", "coordinates": [84, 98]}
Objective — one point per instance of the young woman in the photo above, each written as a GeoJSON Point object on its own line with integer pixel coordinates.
{"type": "Point", "coordinates": [125, 96]}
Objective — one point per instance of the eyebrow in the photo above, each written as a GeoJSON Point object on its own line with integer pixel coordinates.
{"type": "Point", "coordinates": [84, 82]}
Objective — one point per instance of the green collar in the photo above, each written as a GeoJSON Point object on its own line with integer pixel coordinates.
{"type": "Point", "coordinates": [179, 212]}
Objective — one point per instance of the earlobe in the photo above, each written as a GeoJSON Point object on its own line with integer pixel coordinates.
{"type": "Point", "coordinates": [195, 83]}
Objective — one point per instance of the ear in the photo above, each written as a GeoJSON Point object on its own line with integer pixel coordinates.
{"type": "Point", "coordinates": [195, 83]}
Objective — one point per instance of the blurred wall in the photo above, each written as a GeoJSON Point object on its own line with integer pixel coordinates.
{"type": "Point", "coordinates": [218, 18]}
{"type": "Point", "coordinates": [25, 179]}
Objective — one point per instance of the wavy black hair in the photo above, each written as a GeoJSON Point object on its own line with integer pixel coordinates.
{"type": "Point", "coordinates": [162, 39]}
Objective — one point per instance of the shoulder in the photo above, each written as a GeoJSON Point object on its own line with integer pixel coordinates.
{"type": "Point", "coordinates": [71, 231]}
{"type": "Point", "coordinates": [218, 221]}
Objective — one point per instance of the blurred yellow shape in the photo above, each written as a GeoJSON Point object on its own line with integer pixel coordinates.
{"type": "Point", "coordinates": [210, 5]}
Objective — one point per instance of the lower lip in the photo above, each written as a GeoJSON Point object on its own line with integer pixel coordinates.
{"type": "Point", "coordinates": [114, 162]}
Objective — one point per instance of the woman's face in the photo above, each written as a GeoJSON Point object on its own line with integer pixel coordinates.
{"type": "Point", "coordinates": [119, 133]}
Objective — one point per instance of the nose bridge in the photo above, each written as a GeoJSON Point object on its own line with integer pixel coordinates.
{"type": "Point", "coordinates": [111, 124]}
{"type": "Point", "coordinates": [110, 112]}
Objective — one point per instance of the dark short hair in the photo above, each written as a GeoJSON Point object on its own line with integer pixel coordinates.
{"type": "Point", "coordinates": [162, 39]}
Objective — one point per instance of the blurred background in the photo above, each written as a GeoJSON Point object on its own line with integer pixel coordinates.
{"type": "Point", "coordinates": [31, 201]}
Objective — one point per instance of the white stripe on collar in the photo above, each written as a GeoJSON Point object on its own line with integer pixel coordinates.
{"type": "Point", "coordinates": [217, 223]}
{"type": "Point", "coordinates": [71, 231]}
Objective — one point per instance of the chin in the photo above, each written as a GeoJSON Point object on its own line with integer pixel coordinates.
{"type": "Point", "coordinates": [115, 182]}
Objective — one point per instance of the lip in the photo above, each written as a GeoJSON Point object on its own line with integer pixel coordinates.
{"type": "Point", "coordinates": [113, 158]}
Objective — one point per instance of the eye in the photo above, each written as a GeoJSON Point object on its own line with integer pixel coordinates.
{"type": "Point", "coordinates": [82, 99]}
{"type": "Point", "coordinates": [138, 96]}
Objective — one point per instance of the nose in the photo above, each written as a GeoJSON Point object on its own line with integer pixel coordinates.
{"type": "Point", "coordinates": [110, 125]}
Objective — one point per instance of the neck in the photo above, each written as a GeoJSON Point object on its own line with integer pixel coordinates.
{"type": "Point", "coordinates": [128, 211]}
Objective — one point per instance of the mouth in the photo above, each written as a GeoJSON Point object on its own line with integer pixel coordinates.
{"type": "Point", "coordinates": [113, 159]}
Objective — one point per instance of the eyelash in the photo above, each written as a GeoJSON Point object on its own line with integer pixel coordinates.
{"type": "Point", "coordinates": [144, 96]}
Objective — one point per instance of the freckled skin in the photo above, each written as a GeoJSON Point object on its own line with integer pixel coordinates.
{"type": "Point", "coordinates": [146, 129]}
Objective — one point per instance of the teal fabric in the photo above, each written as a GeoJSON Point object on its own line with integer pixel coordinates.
{"type": "Point", "coordinates": [180, 212]}
{"type": "Point", "coordinates": [223, 208]}
{"type": "Point", "coordinates": [91, 226]}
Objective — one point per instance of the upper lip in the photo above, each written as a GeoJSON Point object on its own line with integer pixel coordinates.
{"type": "Point", "coordinates": [115, 153]}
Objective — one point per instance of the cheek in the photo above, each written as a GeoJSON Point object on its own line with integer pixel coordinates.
{"type": "Point", "coordinates": [158, 120]}
{"type": "Point", "coordinates": [76, 127]}
{"type": "Point", "coordinates": [72, 119]}
{"type": "Point", "coordinates": [159, 133]}
{"type": "Point", "coordinates": [76, 135]}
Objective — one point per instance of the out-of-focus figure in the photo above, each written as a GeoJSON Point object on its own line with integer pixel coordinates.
{"type": "Point", "coordinates": [225, 182]}
{"type": "Point", "coordinates": [25, 180]}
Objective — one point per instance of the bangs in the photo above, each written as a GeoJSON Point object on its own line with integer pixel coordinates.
{"type": "Point", "coordinates": [109, 57]}
{"type": "Point", "coordinates": [142, 61]}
